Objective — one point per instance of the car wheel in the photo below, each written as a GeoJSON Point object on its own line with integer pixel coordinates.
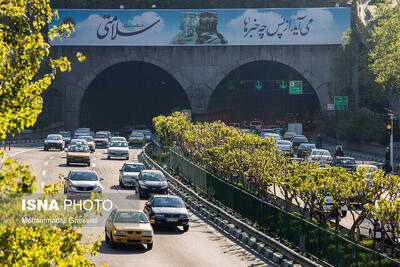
{"type": "Point", "coordinates": [68, 163]}
{"type": "Point", "coordinates": [112, 243]}
{"type": "Point", "coordinates": [94, 150]}
{"type": "Point", "coordinates": [138, 192]}
{"type": "Point", "coordinates": [65, 190]}
{"type": "Point", "coordinates": [108, 157]}
{"type": "Point", "coordinates": [186, 228]}
{"type": "Point", "coordinates": [61, 148]}
{"type": "Point", "coordinates": [121, 184]}
{"type": "Point", "coordinates": [370, 234]}
{"type": "Point", "coordinates": [127, 158]}
{"type": "Point", "coordinates": [149, 246]}
{"type": "Point", "coordinates": [88, 163]}
{"type": "Point", "coordinates": [107, 238]}
{"type": "Point", "coordinates": [46, 149]}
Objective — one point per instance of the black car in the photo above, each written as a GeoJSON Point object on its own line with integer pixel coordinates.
{"type": "Point", "coordinates": [346, 162]}
{"type": "Point", "coordinates": [297, 140]}
{"type": "Point", "coordinates": [167, 210]}
{"type": "Point", "coordinates": [66, 136]}
{"type": "Point", "coordinates": [151, 182]}
{"type": "Point", "coordinates": [305, 149]}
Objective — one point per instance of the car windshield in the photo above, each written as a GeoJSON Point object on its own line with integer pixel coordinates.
{"type": "Point", "coordinates": [137, 134]}
{"type": "Point", "coordinates": [66, 134]}
{"type": "Point", "coordinates": [118, 139]}
{"type": "Point", "coordinates": [133, 168]}
{"type": "Point", "coordinates": [147, 132]}
{"type": "Point", "coordinates": [300, 139]}
{"type": "Point", "coordinates": [100, 136]}
{"type": "Point", "coordinates": [307, 146]}
{"type": "Point", "coordinates": [87, 138]}
{"type": "Point", "coordinates": [290, 134]}
{"type": "Point", "coordinates": [287, 143]}
{"type": "Point", "coordinates": [171, 202]}
{"type": "Point", "coordinates": [320, 153]}
{"type": "Point", "coordinates": [53, 137]}
{"type": "Point", "coordinates": [78, 149]}
{"type": "Point", "coordinates": [346, 161]}
{"type": "Point", "coordinates": [118, 144]}
{"type": "Point", "coordinates": [152, 176]}
{"type": "Point", "coordinates": [83, 176]}
{"type": "Point", "coordinates": [130, 217]}
{"type": "Point", "coordinates": [78, 142]}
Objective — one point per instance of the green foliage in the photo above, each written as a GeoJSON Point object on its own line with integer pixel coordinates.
{"type": "Point", "coordinates": [385, 50]}
{"type": "Point", "coordinates": [23, 50]}
{"type": "Point", "coordinates": [354, 127]}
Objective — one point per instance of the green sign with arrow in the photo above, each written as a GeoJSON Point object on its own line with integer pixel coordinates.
{"type": "Point", "coordinates": [259, 85]}
{"type": "Point", "coordinates": [231, 85]}
{"type": "Point", "coordinates": [283, 85]}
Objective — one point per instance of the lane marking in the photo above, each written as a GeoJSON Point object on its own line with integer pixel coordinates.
{"type": "Point", "coordinates": [20, 152]}
{"type": "Point", "coordinates": [94, 165]}
{"type": "Point", "coordinates": [94, 158]}
{"type": "Point", "coordinates": [44, 172]}
{"type": "Point", "coordinates": [45, 164]}
{"type": "Point", "coordinates": [51, 157]}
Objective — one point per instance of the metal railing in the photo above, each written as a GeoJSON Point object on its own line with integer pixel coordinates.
{"type": "Point", "coordinates": [314, 240]}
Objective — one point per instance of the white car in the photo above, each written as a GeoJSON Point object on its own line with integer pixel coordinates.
{"type": "Point", "coordinates": [274, 136]}
{"type": "Point", "coordinates": [370, 169]}
{"type": "Point", "coordinates": [118, 149]}
{"type": "Point", "coordinates": [284, 146]}
{"type": "Point", "coordinates": [90, 142]}
{"type": "Point", "coordinates": [329, 205]}
{"type": "Point", "coordinates": [82, 183]}
{"type": "Point", "coordinates": [320, 155]}
{"type": "Point", "coordinates": [129, 173]}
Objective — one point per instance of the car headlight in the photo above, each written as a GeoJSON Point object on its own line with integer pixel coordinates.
{"type": "Point", "coordinates": [164, 186]}
{"type": "Point", "coordinates": [73, 187]}
{"type": "Point", "coordinates": [119, 232]}
{"type": "Point", "coordinates": [143, 185]}
{"type": "Point", "coordinates": [45, 141]}
{"type": "Point", "coordinates": [160, 215]}
{"type": "Point", "coordinates": [147, 233]}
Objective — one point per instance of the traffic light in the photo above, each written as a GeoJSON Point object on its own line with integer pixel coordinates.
{"type": "Point", "coordinates": [388, 126]}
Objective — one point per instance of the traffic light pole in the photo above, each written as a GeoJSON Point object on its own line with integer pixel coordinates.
{"type": "Point", "coordinates": [391, 141]}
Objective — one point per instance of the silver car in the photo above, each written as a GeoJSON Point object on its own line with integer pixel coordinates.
{"type": "Point", "coordinates": [118, 149]}
{"type": "Point", "coordinates": [90, 142]}
{"type": "Point", "coordinates": [82, 183]}
{"type": "Point", "coordinates": [129, 173]}
{"type": "Point", "coordinates": [284, 146]}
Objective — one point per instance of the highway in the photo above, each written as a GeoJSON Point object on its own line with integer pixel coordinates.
{"type": "Point", "coordinates": [202, 245]}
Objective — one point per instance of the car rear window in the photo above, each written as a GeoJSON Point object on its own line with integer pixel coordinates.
{"type": "Point", "coordinates": [171, 202]}
{"type": "Point", "coordinates": [346, 161]}
{"type": "Point", "coordinates": [133, 168]}
{"type": "Point", "coordinates": [300, 139]}
{"type": "Point", "coordinates": [100, 136]}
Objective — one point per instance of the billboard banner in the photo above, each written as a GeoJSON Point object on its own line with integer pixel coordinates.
{"type": "Point", "coordinates": [217, 27]}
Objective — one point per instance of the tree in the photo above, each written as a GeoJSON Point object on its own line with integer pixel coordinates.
{"type": "Point", "coordinates": [385, 52]}
{"type": "Point", "coordinates": [23, 51]}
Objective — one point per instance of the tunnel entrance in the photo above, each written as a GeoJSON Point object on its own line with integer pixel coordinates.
{"type": "Point", "coordinates": [260, 91]}
{"type": "Point", "coordinates": [130, 93]}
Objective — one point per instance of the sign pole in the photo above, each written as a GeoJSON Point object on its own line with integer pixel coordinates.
{"type": "Point", "coordinates": [391, 141]}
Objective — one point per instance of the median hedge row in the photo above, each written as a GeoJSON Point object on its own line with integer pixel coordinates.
{"type": "Point", "coordinates": [255, 164]}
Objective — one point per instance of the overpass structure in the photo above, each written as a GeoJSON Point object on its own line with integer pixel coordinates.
{"type": "Point", "coordinates": [194, 76]}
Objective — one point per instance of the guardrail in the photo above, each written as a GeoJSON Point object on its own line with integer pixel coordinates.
{"type": "Point", "coordinates": [314, 240]}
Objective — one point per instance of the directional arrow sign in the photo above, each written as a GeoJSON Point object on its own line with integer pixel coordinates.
{"type": "Point", "coordinates": [259, 85]}
{"type": "Point", "coordinates": [283, 85]}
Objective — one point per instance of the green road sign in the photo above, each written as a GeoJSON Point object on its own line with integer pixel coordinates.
{"type": "Point", "coordinates": [187, 113]}
{"type": "Point", "coordinates": [231, 85]}
{"type": "Point", "coordinates": [295, 87]}
{"type": "Point", "coordinates": [341, 102]}
{"type": "Point", "coordinates": [283, 85]}
{"type": "Point", "coordinates": [258, 85]}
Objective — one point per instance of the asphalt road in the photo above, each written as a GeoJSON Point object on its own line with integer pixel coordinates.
{"type": "Point", "coordinates": [202, 245]}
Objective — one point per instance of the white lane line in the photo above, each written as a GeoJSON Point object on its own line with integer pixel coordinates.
{"type": "Point", "coordinates": [20, 152]}
{"type": "Point", "coordinates": [45, 164]}
{"type": "Point", "coordinates": [94, 165]}
{"type": "Point", "coordinates": [44, 172]}
{"type": "Point", "coordinates": [51, 157]}
{"type": "Point", "coordinates": [94, 158]}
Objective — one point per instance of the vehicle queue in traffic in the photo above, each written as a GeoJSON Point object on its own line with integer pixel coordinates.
{"type": "Point", "coordinates": [123, 226]}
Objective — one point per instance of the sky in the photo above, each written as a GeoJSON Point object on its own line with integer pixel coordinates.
{"type": "Point", "coordinates": [237, 26]}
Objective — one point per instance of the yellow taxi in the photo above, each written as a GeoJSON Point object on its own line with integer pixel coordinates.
{"type": "Point", "coordinates": [78, 154]}
{"type": "Point", "coordinates": [137, 138]}
{"type": "Point", "coordinates": [129, 226]}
